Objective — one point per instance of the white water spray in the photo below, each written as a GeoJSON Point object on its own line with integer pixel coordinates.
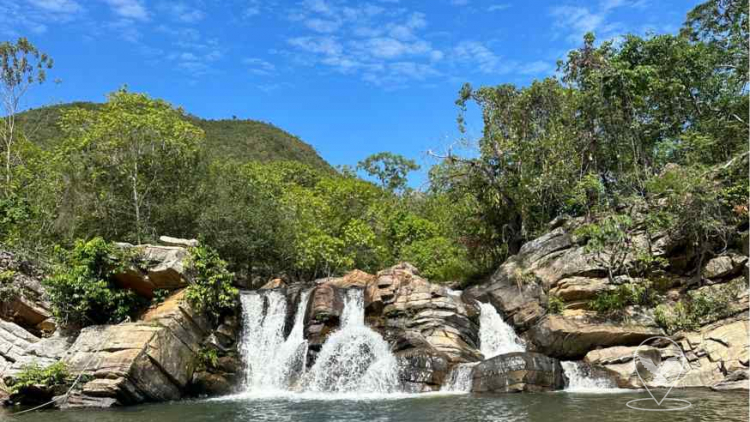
{"type": "Point", "coordinates": [271, 360]}
{"type": "Point", "coordinates": [496, 337]}
{"type": "Point", "coordinates": [581, 379]}
{"type": "Point", "coordinates": [459, 380]}
{"type": "Point", "coordinates": [354, 358]}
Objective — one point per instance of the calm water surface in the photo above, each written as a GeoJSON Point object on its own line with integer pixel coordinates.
{"type": "Point", "coordinates": [557, 407]}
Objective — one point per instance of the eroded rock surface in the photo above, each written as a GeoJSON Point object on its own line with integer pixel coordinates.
{"type": "Point", "coordinates": [517, 372]}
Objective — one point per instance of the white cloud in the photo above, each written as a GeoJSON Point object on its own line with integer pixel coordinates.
{"type": "Point", "coordinates": [259, 66]}
{"type": "Point", "coordinates": [182, 12]}
{"type": "Point", "coordinates": [328, 46]}
{"type": "Point", "coordinates": [57, 6]}
{"type": "Point", "coordinates": [575, 21]}
{"type": "Point", "coordinates": [322, 25]}
{"type": "Point", "coordinates": [129, 9]}
{"type": "Point", "coordinates": [381, 45]}
{"type": "Point", "coordinates": [498, 7]}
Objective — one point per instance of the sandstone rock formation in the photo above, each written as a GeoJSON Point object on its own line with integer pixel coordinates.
{"type": "Point", "coordinates": [517, 372]}
{"type": "Point", "coordinates": [155, 267]}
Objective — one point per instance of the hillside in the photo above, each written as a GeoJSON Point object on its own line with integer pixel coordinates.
{"type": "Point", "coordinates": [241, 140]}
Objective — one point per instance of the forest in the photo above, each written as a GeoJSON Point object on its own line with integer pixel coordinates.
{"type": "Point", "coordinates": [654, 124]}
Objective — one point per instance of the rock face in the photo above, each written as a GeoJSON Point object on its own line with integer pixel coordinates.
{"type": "Point", "coordinates": [150, 360]}
{"type": "Point", "coordinates": [572, 336]}
{"type": "Point", "coordinates": [415, 308]}
{"type": "Point", "coordinates": [517, 372]}
{"type": "Point", "coordinates": [24, 303]}
{"type": "Point", "coordinates": [157, 267]}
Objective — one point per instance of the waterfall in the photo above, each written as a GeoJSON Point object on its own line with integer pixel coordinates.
{"type": "Point", "coordinates": [459, 380]}
{"type": "Point", "coordinates": [581, 379]}
{"type": "Point", "coordinates": [496, 337]}
{"type": "Point", "coordinates": [271, 361]}
{"type": "Point", "coordinates": [354, 358]}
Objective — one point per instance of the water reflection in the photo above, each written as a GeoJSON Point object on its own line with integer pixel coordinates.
{"type": "Point", "coordinates": [555, 407]}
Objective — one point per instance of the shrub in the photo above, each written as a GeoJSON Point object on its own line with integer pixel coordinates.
{"type": "Point", "coordinates": [8, 291]}
{"type": "Point", "coordinates": [32, 374]}
{"type": "Point", "coordinates": [81, 290]}
{"type": "Point", "coordinates": [207, 358]}
{"type": "Point", "coordinates": [698, 308]}
{"type": "Point", "coordinates": [211, 290]}
{"type": "Point", "coordinates": [160, 295]}
{"type": "Point", "coordinates": [611, 303]}
{"type": "Point", "coordinates": [555, 305]}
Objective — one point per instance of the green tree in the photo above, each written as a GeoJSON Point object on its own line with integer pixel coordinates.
{"type": "Point", "coordinates": [134, 150]}
{"type": "Point", "coordinates": [21, 66]}
{"type": "Point", "coordinates": [390, 169]}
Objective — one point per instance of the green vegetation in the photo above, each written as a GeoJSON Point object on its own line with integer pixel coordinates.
{"type": "Point", "coordinates": [637, 137]}
{"type": "Point", "coordinates": [32, 374]}
{"type": "Point", "coordinates": [81, 290]}
{"type": "Point", "coordinates": [612, 303]}
{"type": "Point", "coordinates": [8, 290]}
{"type": "Point", "coordinates": [699, 307]}
{"type": "Point", "coordinates": [207, 358]}
{"type": "Point", "coordinates": [555, 305]}
{"type": "Point", "coordinates": [211, 290]}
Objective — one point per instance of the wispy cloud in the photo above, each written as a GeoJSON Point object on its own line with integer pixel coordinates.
{"type": "Point", "coordinates": [384, 46]}
{"type": "Point", "coordinates": [498, 7]}
{"type": "Point", "coordinates": [574, 21]}
{"type": "Point", "coordinates": [128, 9]}
{"type": "Point", "coordinates": [64, 7]}
{"type": "Point", "coordinates": [259, 66]}
{"type": "Point", "coordinates": [34, 16]}
{"type": "Point", "coordinates": [182, 12]}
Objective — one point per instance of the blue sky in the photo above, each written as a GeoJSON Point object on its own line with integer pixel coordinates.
{"type": "Point", "coordinates": [350, 78]}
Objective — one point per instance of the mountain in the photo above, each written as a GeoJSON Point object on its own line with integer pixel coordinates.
{"type": "Point", "coordinates": [242, 140]}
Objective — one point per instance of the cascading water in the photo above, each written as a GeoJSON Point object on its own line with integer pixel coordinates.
{"type": "Point", "coordinates": [581, 379]}
{"type": "Point", "coordinates": [459, 379]}
{"type": "Point", "coordinates": [354, 358]}
{"type": "Point", "coordinates": [496, 337]}
{"type": "Point", "coordinates": [271, 361]}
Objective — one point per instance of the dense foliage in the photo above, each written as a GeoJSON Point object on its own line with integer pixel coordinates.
{"type": "Point", "coordinates": [653, 126]}
{"type": "Point", "coordinates": [643, 120]}
{"type": "Point", "coordinates": [211, 289]}
{"type": "Point", "coordinates": [32, 374]}
{"type": "Point", "coordinates": [81, 290]}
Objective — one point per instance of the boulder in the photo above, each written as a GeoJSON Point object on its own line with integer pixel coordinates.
{"type": "Point", "coordinates": [176, 241]}
{"type": "Point", "coordinates": [149, 360]}
{"type": "Point", "coordinates": [209, 384]}
{"type": "Point", "coordinates": [324, 307]}
{"type": "Point", "coordinates": [414, 307]}
{"type": "Point", "coordinates": [422, 369]}
{"type": "Point", "coordinates": [716, 350]}
{"type": "Point", "coordinates": [724, 266]}
{"type": "Point", "coordinates": [517, 372]}
{"type": "Point", "coordinates": [737, 380]}
{"type": "Point", "coordinates": [617, 363]}
{"type": "Point", "coordinates": [276, 283]}
{"type": "Point", "coordinates": [579, 288]}
{"type": "Point", "coordinates": [572, 336]}
{"type": "Point", "coordinates": [157, 267]}
{"type": "Point", "coordinates": [14, 344]}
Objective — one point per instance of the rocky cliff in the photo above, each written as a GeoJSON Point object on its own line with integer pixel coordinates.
{"type": "Point", "coordinates": [558, 267]}
{"type": "Point", "coordinates": [161, 355]}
